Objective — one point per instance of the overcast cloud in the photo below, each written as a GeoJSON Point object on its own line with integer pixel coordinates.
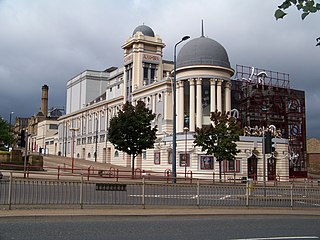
{"type": "Point", "coordinates": [49, 42]}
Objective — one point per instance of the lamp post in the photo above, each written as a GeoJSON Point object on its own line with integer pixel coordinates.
{"type": "Point", "coordinates": [96, 147]}
{"type": "Point", "coordinates": [10, 128]}
{"type": "Point", "coordinates": [174, 134]}
{"type": "Point", "coordinates": [72, 147]}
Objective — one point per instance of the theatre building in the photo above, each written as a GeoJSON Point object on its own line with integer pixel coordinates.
{"type": "Point", "coordinates": [204, 85]}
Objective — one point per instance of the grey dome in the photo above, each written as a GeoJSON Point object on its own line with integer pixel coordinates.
{"type": "Point", "coordinates": [146, 30]}
{"type": "Point", "coordinates": [203, 51]}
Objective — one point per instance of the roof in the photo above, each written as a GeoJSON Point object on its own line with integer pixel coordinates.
{"type": "Point", "coordinates": [203, 51]}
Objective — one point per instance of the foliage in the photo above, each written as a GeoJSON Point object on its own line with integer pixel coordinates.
{"type": "Point", "coordinates": [219, 138]}
{"type": "Point", "coordinates": [306, 6]}
{"type": "Point", "coordinates": [131, 132]}
{"type": "Point", "coordinates": [6, 137]}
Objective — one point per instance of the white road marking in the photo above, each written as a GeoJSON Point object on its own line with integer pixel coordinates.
{"type": "Point", "coordinates": [279, 238]}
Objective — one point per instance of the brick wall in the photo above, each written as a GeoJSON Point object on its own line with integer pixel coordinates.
{"type": "Point", "coordinates": [313, 155]}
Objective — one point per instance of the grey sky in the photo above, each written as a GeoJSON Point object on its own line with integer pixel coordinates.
{"type": "Point", "coordinates": [49, 42]}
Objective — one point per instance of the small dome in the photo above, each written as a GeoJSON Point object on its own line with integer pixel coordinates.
{"type": "Point", "coordinates": [146, 30]}
{"type": "Point", "coordinates": [203, 51]}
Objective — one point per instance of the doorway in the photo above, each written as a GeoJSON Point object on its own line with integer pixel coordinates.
{"type": "Point", "coordinates": [271, 169]}
{"type": "Point", "coordinates": [252, 167]}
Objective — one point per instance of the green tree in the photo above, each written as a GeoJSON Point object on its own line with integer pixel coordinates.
{"type": "Point", "coordinates": [6, 136]}
{"type": "Point", "coordinates": [219, 138]}
{"type": "Point", "coordinates": [306, 6]}
{"type": "Point", "coordinates": [131, 132]}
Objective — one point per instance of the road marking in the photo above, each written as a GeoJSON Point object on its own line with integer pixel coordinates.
{"type": "Point", "coordinates": [279, 238]}
{"type": "Point", "coordinates": [225, 197]}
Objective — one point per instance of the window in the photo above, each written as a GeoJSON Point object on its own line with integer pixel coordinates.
{"type": "Point", "coordinates": [231, 165]}
{"type": "Point", "coordinates": [53, 126]}
{"type": "Point", "coordinates": [89, 140]}
{"type": "Point", "coordinates": [83, 140]}
{"type": "Point", "coordinates": [206, 162]}
{"type": "Point", "coordinates": [157, 158]}
{"type": "Point", "coordinates": [102, 137]}
{"type": "Point", "coordinates": [184, 159]}
{"type": "Point", "coordinates": [116, 154]}
{"type": "Point", "coordinates": [145, 73]}
{"type": "Point", "coordinates": [170, 156]}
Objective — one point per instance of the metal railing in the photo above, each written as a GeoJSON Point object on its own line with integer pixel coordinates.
{"type": "Point", "coordinates": [40, 192]}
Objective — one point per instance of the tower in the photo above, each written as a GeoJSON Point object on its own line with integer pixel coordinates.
{"type": "Point", "coordinates": [143, 53]}
{"type": "Point", "coordinates": [44, 100]}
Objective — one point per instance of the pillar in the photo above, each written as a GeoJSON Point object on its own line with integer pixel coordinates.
{"type": "Point", "coordinates": [192, 108]}
{"type": "Point", "coordinates": [180, 106]}
{"type": "Point", "coordinates": [228, 97]}
{"type": "Point", "coordinates": [199, 103]}
{"type": "Point", "coordinates": [213, 95]}
{"type": "Point", "coordinates": [219, 95]}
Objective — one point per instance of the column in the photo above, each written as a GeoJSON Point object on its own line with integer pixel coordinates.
{"type": "Point", "coordinates": [212, 95]}
{"type": "Point", "coordinates": [180, 106]}
{"type": "Point", "coordinates": [199, 102]}
{"type": "Point", "coordinates": [154, 99]}
{"type": "Point", "coordinates": [228, 97]}
{"type": "Point", "coordinates": [219, 95]}
{"type": "Point", "coordinates": [192, 109]}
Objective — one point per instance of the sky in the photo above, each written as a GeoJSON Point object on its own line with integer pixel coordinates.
{"type": "Point", "coordinates": [49, 42]}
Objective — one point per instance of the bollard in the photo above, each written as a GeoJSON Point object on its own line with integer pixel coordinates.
{"type": "Point", "coordinates": [59, 172]}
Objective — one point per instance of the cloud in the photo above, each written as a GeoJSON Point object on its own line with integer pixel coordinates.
{"type": "Point", "coordinates": [49, 42]}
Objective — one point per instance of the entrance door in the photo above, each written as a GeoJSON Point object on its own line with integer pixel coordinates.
{"type": "Point", "coordinates": [252, 167]}
{"type": "Point", "coordinates": [271, 169]}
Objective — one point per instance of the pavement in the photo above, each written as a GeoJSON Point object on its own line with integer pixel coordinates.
{"type": "Point", "coordinates": [152, 211]}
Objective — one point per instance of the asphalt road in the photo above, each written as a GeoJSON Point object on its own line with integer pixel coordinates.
{"type": "Point", "coordinates": [162, 227]}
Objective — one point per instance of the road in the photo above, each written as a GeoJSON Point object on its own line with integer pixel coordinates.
{"type": "Point", "coordinates": [162, 227]}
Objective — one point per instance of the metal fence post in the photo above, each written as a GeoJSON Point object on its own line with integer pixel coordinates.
{"type": "Point", "coordinates": [198, 193]}
{"type": "Point", "coordinates": [143, 192]}
{"type": "Point", "coordinates": [10, 191]}
{"type": "Point", "coordinates": [81, 192]}
{"type": "Point", "coordinates": [291, 196]}
{"type": "Point", "coordinates": [247, 196]}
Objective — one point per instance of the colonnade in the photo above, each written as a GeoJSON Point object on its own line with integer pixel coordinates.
{"type": "Point", "coordinates": [218, 88]}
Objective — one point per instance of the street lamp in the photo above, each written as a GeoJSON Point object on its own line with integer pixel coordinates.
{"type": "Point", "coordinates": [72, 147]}
{"type": "Point", "coordinates": [10, 125]}
{"type": "Point", "coordinates": [174, 134]}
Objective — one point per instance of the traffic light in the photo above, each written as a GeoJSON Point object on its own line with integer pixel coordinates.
{"type": "Point", "coordinates": [21, 139]}
{"type": "Point", "coordinates": [268, 142]}
{"type": "Point", "coordinates": [273, 146]}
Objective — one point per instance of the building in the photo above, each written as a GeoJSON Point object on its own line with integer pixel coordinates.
{"type": "Point", "coordinates": [265, 98]}
{"type": "Point", "coordinates": [313, 149]}
{"type": "Point", "coordinates": [204, 84]}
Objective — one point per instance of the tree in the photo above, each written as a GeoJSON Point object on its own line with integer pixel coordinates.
{"type": "Point", "coordinates": [306, 6]}
{"type": "Point", "coordinates": [131, 132]}
{"type": "Point", "coordinates": [219, 138]}
{"type": "Point", "coordinates": [6, 136]}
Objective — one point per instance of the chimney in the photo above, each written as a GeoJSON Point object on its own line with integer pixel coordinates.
{"type": "Point", "coordinates": [44, 100]}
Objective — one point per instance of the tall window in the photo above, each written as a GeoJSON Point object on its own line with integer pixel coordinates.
{"type": "Point", "coordinates": [149, 73]}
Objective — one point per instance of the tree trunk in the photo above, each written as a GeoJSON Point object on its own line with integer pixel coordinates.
{"type": "Point", "coordinates": [220, 171]}
{"type": "Point", "coordinates": [132, 171]}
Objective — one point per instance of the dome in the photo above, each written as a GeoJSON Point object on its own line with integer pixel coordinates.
{"type": "Point", "coordinates": [203, 51]}
{"type": "Point", "coordinates": [146, 30]}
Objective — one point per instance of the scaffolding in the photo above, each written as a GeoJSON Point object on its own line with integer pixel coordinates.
{"type": "Point", "coordinates": [264, 98]}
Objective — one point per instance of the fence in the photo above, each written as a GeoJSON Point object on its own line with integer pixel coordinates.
{"type": "Point", "coordinates": [38, 192]}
